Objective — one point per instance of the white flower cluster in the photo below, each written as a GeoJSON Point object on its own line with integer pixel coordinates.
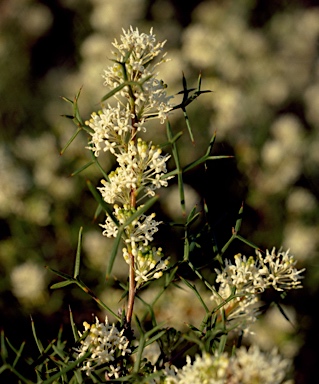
{"type": "Point", "coordinates": [141, 167]}
{"type": "Point", "coordinates": [106, 343]}
{"type": "Point", "coordinates": [244, 367]}
{"type": "Point", "coordinates": [138, 50]}
{"type": "Point", "coordinates": [149, 261]}
{"type": "Point", "coordinates": [249, 277]}
{"type": "Point", "coordinates": [109, 128]}
{"type": "Point", "coordinates": [144, 97]}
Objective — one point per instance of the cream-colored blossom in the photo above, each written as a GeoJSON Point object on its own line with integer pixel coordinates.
{"type": "Point", "coordinates": [105, 342]}
{"type": "Point", "coordinates": [149, 262]}
{"type": "Point", "coordinates": [278, 270]}
{"type": "Point", "coordinates": [247, 278]}
{"type": "Point", "coordinates": [245, 366]}
{"type": "Point", "coordinates": [254, 366]}
{"type": "Point", "coordinates": [110, 128]}
{"type": "Point", "coordinates": [138, 51]}
{"type": "Point", "coordinates": [141, 168]}
{"type": "Point", "coordinates": [210, 369]}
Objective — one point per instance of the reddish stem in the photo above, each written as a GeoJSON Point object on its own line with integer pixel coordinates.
{"type": "Point", "coordinates": [131, 293]}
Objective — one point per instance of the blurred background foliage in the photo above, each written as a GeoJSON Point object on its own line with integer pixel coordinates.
{"type": "Point", "coordinates": [260, 59]}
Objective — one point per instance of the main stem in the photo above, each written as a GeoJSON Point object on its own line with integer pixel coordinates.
{"type": "Point", "coordinates": [131, 293]}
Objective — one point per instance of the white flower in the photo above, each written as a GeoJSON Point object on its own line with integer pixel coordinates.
{"type": "Point", "coordinates": [110, 128]}
{"type": "Point", "coordinates": [138, 50]}
{"type": "Point", "coordinates": [240, 312]}
{"type": "Point", "coordinates": [149, 262]}
{"type": "Point", "coordinates": [253, 276]}
{"type": "Point", "coordinates": [244, 275]}
{"type": "Point", "coordinates": [247, 278]}
{"type": "Point", "coordinates": [254, 366]}
{"type": "Point", "coordinates": [244, 367]}
{"type": "Point", "coordinates": [141, 167]}
{"type": "Point", "coordinates": [142, 47]}
{"type": "Point", "coordinates": [208, 369]}
{"type": "Point", "coordinates": [106, 343]}
{"type": "Point", "coordinates": [141, 230]}
{"type": "Point", "coordinates": [278, 270]}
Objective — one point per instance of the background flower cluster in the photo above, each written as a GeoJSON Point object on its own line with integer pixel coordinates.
{"type": "Point", "coordinates": [261, 62]}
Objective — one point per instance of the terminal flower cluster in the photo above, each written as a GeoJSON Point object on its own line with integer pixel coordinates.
{"type": "Point", "coordinates": [141, 168]}
{"type": "Point", "coordinates": [248, 277]}
{"type": "Point", "coordinates": [246, 366]}
{"type": "Point", "coordinates": [106, 343]}
{"type": "Point", "coordinates": [138, 51]}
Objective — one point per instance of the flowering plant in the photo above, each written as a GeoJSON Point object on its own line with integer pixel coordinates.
{"type": "Point", "coordinates": [137, 348]}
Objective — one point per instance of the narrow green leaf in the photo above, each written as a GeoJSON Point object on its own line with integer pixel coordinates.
{"type": "Point", "coordinates": [211, 143]}
{"type": "Point", "coordinates": [113, 254]}
{"type": "Point", "coordinates": [172, 140]}
{"type": "Point", "coordinates": [19, 354]}
{"type": "Point", "coordinates": [82, 168]}
{"type": "Point", "coordinates": [199, 81]}
{"type": "Point", "coordinates": [247, 242]}
{"type": "Point", "coordinates": [222, 344]}
{"type": "Point", "coordinates": [178, 167]}
{"type": "Point", "coordinates": [156, 337]}
{"type": "Point", "coordinates": [141, 210]}
{"type": "Point", "coordinates": [240, 219]}
{"type": "Point", "coordinates": [186, 247]}
{"type": "Point", "coordinates": [193, 216]}
{"type": "Point", "coordinates": [61, 284]}
{"type": "Point", "coordinates": [38, 342]}
{"type": "Point", "coordinates": [189, 128]}
{"type": "Point", "coordinates": [70, 140]}
{"type": "Point", "coordinates": [71, 117]}
{"type": "Point", "coordinates": [204, 159]}
{"type": "Point", "coordinates": [73, 326]}
{"type": "Point", "coordinates": [77, 115]}
{"type": "Point", "coordinates": [67, 99]}
{"type": "Point", "coordinates": [144, 341]}
{"type": "Point", "coordinates": [220, 157]}
{"type": "Point", "coordinates": [149, 311]}
{"type": "Point", "coordinates": [169, 174]}
{"type": "Point", "coordinates": [95, 160]}
{"type": "Point", "coordinates": [87, 290]}
{"type": "Point", "coordinates": [78, 254]}
{"type": "Point", "coordinates": [113, 92]}
{"type": "Point", "coordinates": [194, 289]}
{"type": "Point", "coordinates": [227, 244]}
{"type": "Point", "coordinates": [70, 366]}
{"type": "Point", "coordinates": [139, 326]}
{"type": "Point", "coordinates": [284, 313]}
{"type": "Point", "coordinates": [61, 274]}
{"type": "Point", "coordinates": [200, 276]}
{"type": "Point", "coordinates": [139, 354]}
{"type": "Point", "coordinates": [97, 212]}
{"type": "Point", "coordinates": [3, 351]}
